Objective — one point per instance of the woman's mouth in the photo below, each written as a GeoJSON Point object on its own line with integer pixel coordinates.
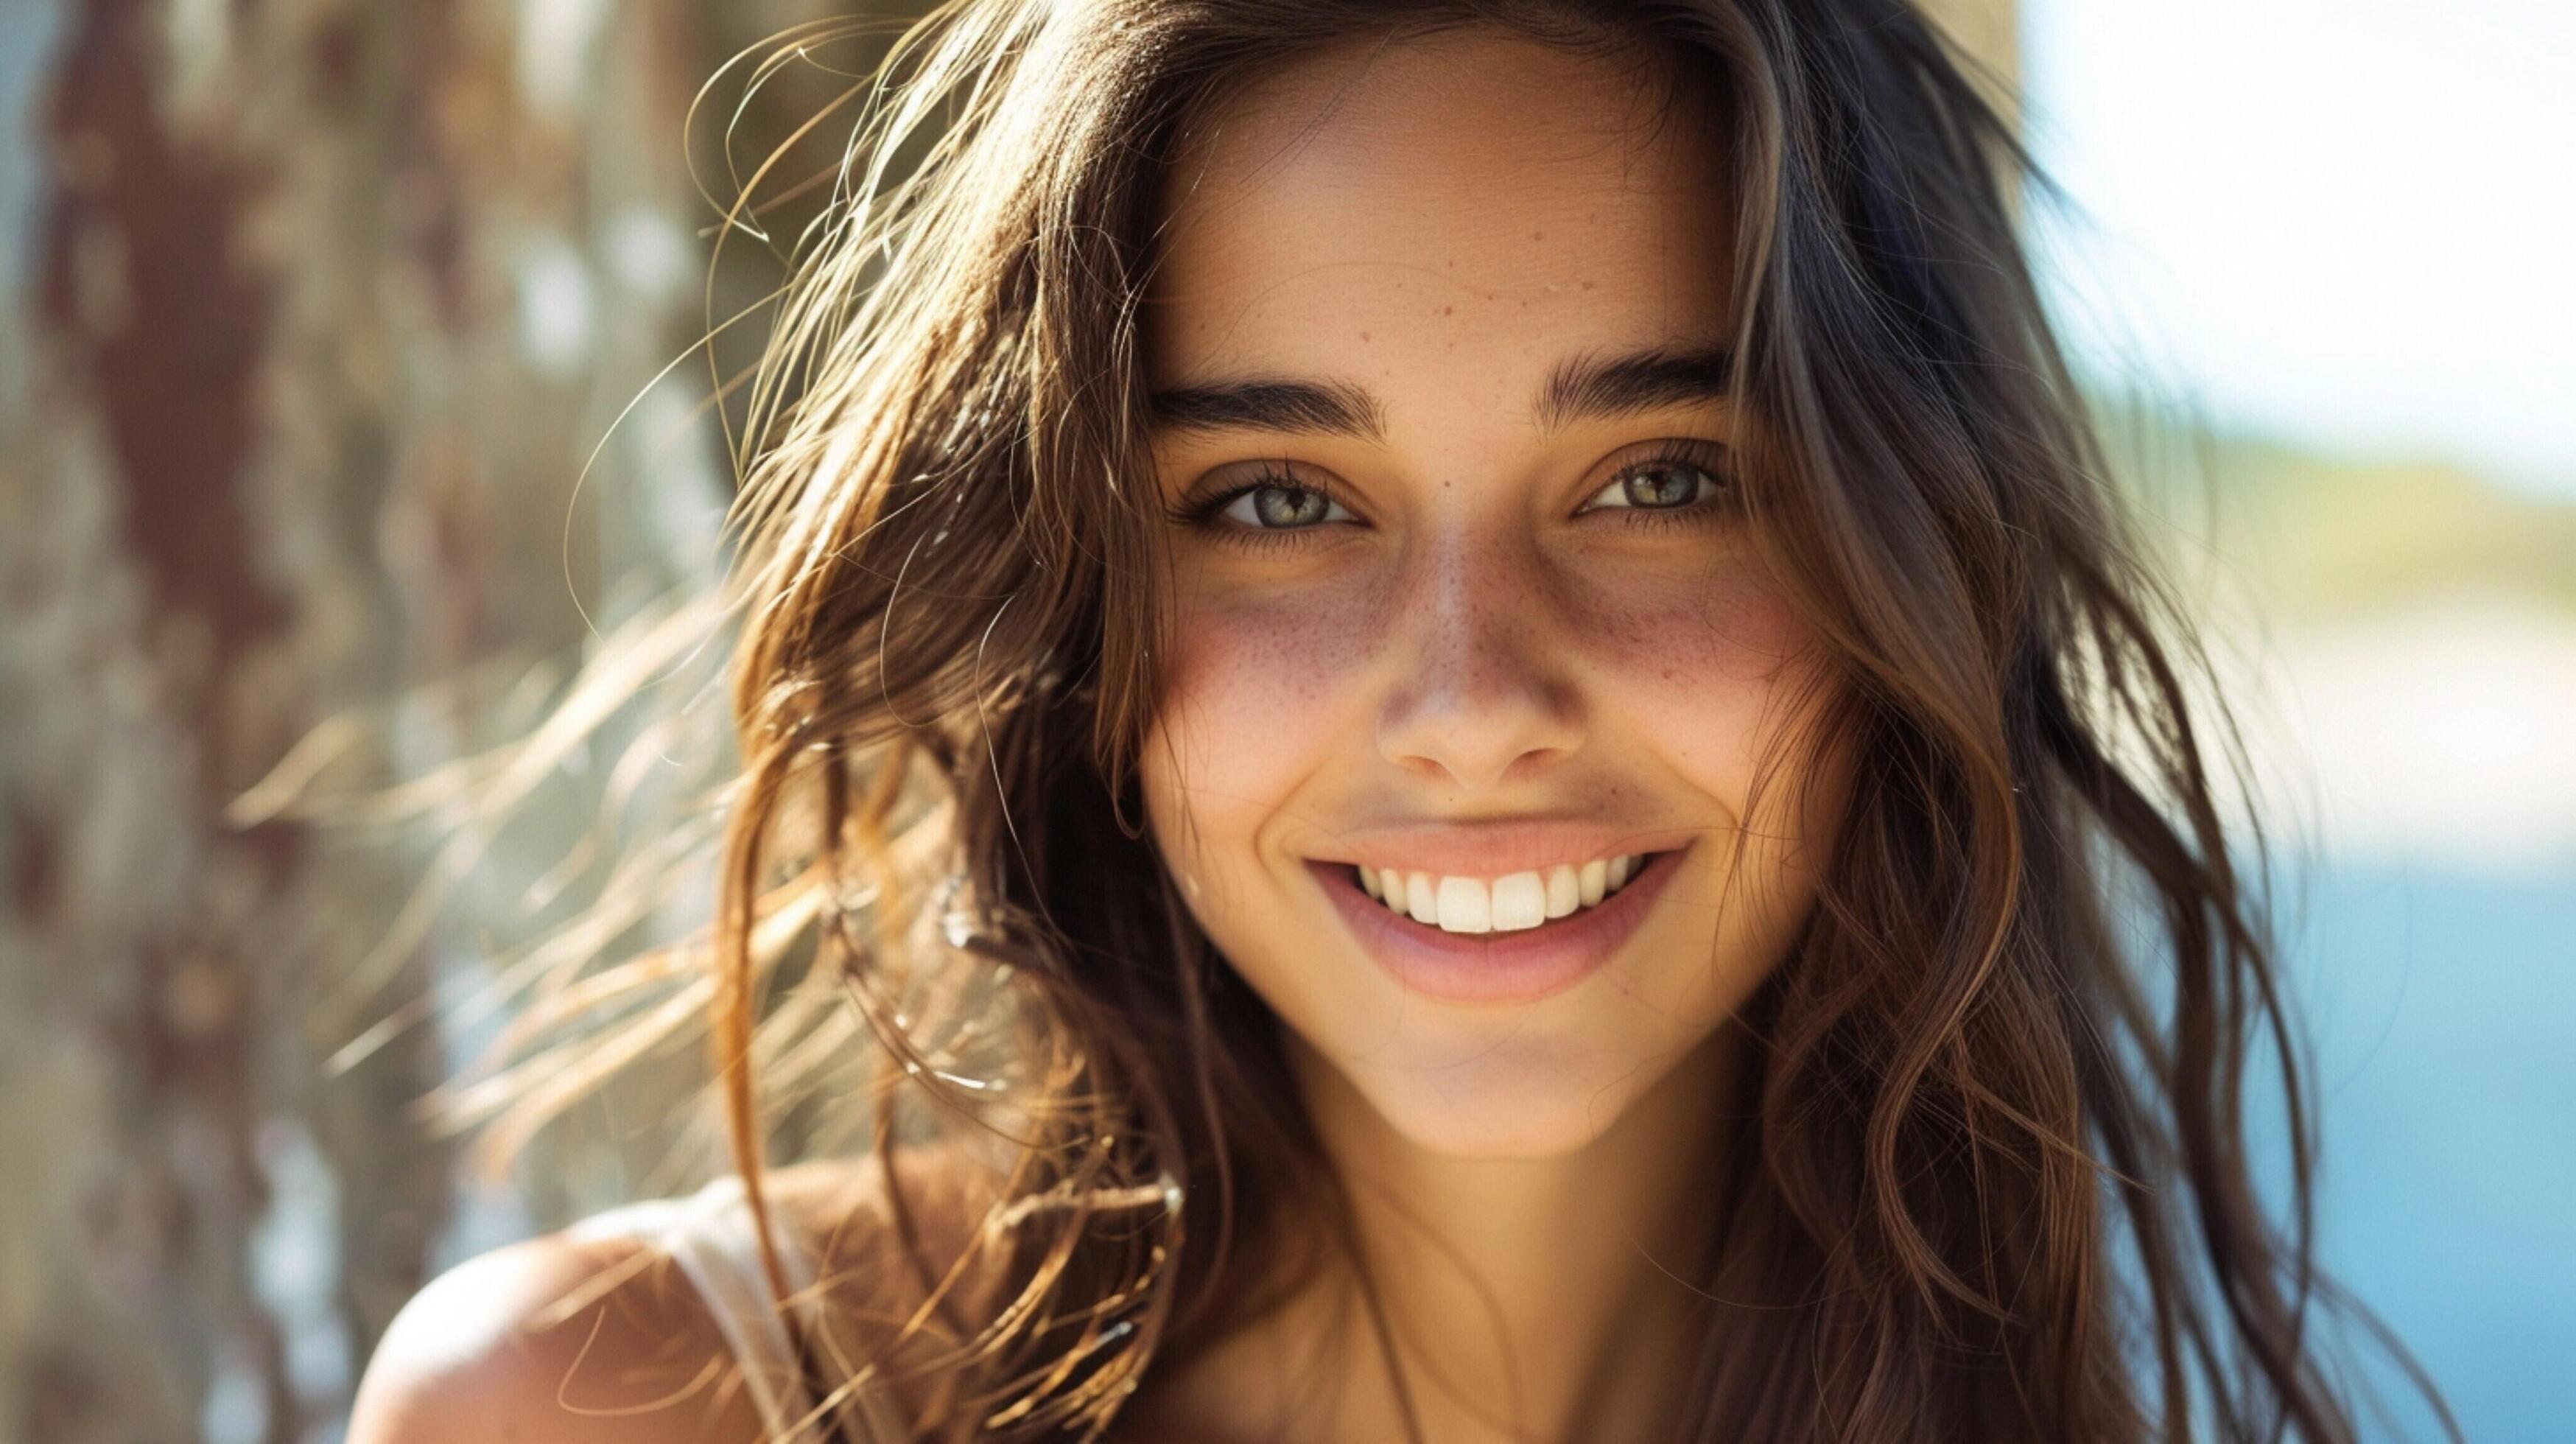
{"type": "Point", "coordinates": [1508, 939]}
{"type": "Point", "coordinates": [1504, 904]}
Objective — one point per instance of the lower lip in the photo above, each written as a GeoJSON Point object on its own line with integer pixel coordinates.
{"type": "Point", "coordinates": [1521, 966]}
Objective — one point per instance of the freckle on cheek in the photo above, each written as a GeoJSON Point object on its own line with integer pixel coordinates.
{"type": "Point", "coordinates": [1247, 674]}
{"type": "Point", "coordinates": [1716, 633]}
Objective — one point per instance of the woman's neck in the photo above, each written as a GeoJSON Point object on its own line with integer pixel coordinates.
{"type": "Point", "coordinates": [1530, 1299]}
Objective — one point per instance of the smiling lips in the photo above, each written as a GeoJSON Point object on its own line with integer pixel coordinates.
{"type": "Point", "coordinates": [1509, 903]}
{"type": "Point", "coordinates": [1502, 941]}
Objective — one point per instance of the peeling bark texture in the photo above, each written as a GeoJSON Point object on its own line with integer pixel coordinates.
{"type": "Point", "coordinates": [311, 312]}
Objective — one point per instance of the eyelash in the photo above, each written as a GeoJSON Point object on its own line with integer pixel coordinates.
{"type": "Point", "coordinates": [1702, 456]}
{"type": "Point", "coordinates": [1205, 514]}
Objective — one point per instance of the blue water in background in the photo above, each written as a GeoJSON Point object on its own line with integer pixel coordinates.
{"type": "Point", "coordinates": [2442, 1007]}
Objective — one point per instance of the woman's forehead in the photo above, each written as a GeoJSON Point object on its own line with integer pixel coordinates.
{"type": "Point", "coordinates": [1469, 202]}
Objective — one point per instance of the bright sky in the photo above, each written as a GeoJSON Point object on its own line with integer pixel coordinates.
{"type": "Point", "coordinates": [2351, 223]}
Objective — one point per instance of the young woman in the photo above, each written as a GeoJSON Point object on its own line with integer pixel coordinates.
{"type": "Point", "coordinates": [1476, 654]}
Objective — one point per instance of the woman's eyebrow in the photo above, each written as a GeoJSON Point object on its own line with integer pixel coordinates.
{"type": "Point", "coordinates": [1588, 385]}
{"type": "Point", "coordinates": [1336, 408]}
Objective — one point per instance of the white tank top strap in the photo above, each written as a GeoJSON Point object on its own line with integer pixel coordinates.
{"type": "Point", "coordinates": [711, 1236]}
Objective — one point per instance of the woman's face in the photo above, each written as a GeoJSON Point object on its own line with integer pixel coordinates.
{"type": "Point", "coordinates": [1463, 598]}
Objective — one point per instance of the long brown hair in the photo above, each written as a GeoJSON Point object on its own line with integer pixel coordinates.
{"type": "Point", "coordinates": [1996, 1181]}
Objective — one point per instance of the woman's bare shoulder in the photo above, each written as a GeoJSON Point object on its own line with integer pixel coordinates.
{"type": "Point", "coordinates": [598, 1337]}
{"type": "Point", "coordinates": [557, 1338]}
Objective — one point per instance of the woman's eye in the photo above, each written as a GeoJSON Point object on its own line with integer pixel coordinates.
{"type": "Point", "coordinates": [1657, 486]}
{"type": "Point", "coordinates": [1272, 507]}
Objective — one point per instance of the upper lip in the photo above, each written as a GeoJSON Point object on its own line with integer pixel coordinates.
{"type": "Point", "coordinates": [1496, 848]}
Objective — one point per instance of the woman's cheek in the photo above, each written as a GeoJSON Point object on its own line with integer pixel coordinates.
{"type": "Point", "coordinates": [1253, 700]}
{"type": "Point", "coordinates": [1698, 661]}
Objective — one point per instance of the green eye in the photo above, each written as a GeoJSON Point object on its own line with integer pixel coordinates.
{"type": "Point", "coordinates": [1272, 507]}
{"type": "Point", "coordinates": [1658, 486]}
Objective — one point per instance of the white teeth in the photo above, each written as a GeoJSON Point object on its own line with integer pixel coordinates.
{"type": "Point", "coordinates": [1564, 890]}
{"type": "Point", "coordinates": [1506, 904]}
{"type": "Point", "coordinates": [1520, 901]}
{"type": "Point", "coordinates": [1422, 898]}
{"type": "Point", "coordinates": [1465, 906]}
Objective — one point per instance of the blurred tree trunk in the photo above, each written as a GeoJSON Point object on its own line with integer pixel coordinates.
{"type": "Point", "coordinates": [315, 309]}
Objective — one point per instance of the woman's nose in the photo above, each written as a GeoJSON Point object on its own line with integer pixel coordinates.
{"type": "Point", "coordinates": [1479, 693]}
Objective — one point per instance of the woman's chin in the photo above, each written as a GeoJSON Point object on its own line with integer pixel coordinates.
{"type": "Point", "coordinates": [1521, 1099]}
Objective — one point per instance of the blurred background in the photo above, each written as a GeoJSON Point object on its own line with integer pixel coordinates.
{"type": "Point", "coordinates": [338, 424]}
